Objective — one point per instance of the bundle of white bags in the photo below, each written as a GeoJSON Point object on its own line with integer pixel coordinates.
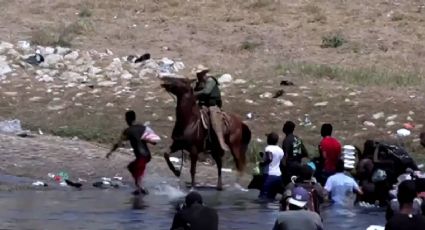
{"type": "Point", "coordinates": [349, 156]}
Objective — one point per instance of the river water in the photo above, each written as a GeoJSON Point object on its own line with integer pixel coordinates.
{"type": "Point", "coordinates": [91, 208]}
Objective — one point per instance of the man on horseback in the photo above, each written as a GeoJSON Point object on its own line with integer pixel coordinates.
{"type": "Point", "coordinates": [208, 94]}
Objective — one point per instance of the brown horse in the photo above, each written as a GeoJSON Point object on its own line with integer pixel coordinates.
{"type": "Point", "coordinates": [189, 133]}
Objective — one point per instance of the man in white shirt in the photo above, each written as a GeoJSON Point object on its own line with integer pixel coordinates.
{"type": "Point", "coordinates": [271, 163]}
{"type": "Point", "coordinates": [342, 187]}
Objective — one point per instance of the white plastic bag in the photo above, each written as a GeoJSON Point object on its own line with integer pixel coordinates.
{"type": "Point", "coordinates": [150, 136]}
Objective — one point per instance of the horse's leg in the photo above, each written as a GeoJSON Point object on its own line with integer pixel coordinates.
{"type": "Point", "coordinates": [217, 155]}
{"type": "Point", "coordinates": [193, 161]}
{"type": "Point", "coordinates": [239, 159]}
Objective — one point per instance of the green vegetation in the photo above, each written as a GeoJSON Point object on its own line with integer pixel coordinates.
{"type": "Point", "coordinates": [332, 41]}
{"type": "Point", "coordinates": [359, 76]}
{"type": "Point", "coordinates": [62, 36]}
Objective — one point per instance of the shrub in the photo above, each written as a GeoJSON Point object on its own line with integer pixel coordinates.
{"type": "Point", "coordinates": [332, 41]}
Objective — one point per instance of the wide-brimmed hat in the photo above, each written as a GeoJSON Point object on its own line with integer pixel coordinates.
{"type": "Point", "coordinates": [201, 69]}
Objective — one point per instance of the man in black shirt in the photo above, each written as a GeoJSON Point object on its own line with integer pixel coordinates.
{"type": "Point", "coordinates": [405, 219]}
{"type": "Point", "coordinates": [134, 134]}
{"type": "Point", "coordinates": [195, 216]}
{"type": "Point", "coordinates": [294, 151]}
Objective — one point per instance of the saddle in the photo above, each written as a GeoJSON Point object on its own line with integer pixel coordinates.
{"type": "Point", "coordinates": [206, 121]}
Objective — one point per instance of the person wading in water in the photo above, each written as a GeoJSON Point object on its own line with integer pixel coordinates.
{"type": "Point", "coordinates": [138, 136]}
{"type": "Point", "coordinates": [208, 94]}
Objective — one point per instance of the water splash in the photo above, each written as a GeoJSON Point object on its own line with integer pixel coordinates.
{"type": "Point", "coordinates": [173, 193]}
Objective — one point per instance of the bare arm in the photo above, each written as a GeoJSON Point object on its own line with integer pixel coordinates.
{"type": "Point", "coordinates": [268, 159]}
{"type": "Point", "coordinates": [116, 145]}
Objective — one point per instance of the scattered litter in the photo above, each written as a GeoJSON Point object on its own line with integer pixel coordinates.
{"type": "Point", "coordinates": [73, 184]}
{"type": "Point", "coordinates": [321, 104]}
{"type": "Point", "coordinates": [174, 159]}
{"type": "Point", "coordinates": [249, 101]}
{"type": "Point", "coordinates": [39, 184]}
{"type": "Point", "coordinates": [403, 132]}
{"type": "Point", "coordinates": [11, 126]}
{"type": "Point", "coordinates": [24, 45]}
{"type": "Point", "coordinates": [379, 115]}
{"type": "Point", "coordinates": [408, 125]}
{"type": "Point", "coordinates": [35, 59]}
{"type": "Point", "coordinates": [369, 123]}
{"type": "Point", "coordinates": [225, 78]}
{"type": "Point", "coordinates": [63, 184]}
{"type": "Point", "coordinates": [285, 102]}
{"type": "Point", "coordinates": [143, 58]}
{"type": "Point", "coordinates": [390, 123]}
{"type": "Point", "coordinates": [392, 117]}
{"type": "Point", "coordinates": [4, 67]}
{"type": "Point", "coordinates": [249, 115]}
{"type": "Point", "coordinates": [279, 93]}
{"type": "Point", "coordinates": [286, 83]}
{"type": "Point", "coordinates": [266, 95]}
{"type": "Point", "coordinates": [307, 121]}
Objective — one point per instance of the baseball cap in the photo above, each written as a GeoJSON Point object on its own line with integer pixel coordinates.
{"type": "Point", "coordinates": [299, 197]}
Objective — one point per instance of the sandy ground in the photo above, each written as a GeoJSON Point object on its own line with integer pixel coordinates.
{"type": "Point", "coordinates": [35, 157]}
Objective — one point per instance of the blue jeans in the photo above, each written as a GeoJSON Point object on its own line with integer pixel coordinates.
{"type": "Point", "coordinates": [271, 186]}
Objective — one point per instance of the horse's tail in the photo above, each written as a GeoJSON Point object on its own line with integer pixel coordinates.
{"type": "Point", "coordinates": [246, 138]}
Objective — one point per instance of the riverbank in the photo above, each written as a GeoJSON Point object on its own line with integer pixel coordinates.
{"type": "Point", "coordinates": [34, 157]}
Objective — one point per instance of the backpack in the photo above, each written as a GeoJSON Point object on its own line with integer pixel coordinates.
{"type": "Point", "coordinates": [297, 147]}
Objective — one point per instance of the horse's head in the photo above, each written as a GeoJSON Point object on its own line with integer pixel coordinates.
{"type": "Point", "coordinates": [177, 86]}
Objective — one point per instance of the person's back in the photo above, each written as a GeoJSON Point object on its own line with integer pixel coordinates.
{"type": "Point", "coordinates": [277, 153]}
{"type": "Point", "coordinates": [341, 186]}
{"type": "Point", "coordinates": [198, 217]}
{"type": "Point", "coordinates": [298, 220]}
{"type": "Point", "coordinates": [298, 217]}
{"type": "Point", "coordinates": [195, 216]}
{"type": "Point", "coordinates": [406, 222]}
{"type": "Point", "coordinates": [331, 150]}
{"type": "Point", "coordinates": [406, 219]}
{"type": "Point", "coordinates": [272, 173]}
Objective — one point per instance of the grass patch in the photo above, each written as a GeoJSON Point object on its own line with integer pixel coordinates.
{"type": "Point", "coordinates": [359, 76]}
{"type": "Point", "coordinates": [250, 45]}
{"type": "Point", "coordinates": [85, 12]}
{"type": "Point", "coordinates": [62, 36]}
{"type": "Point", "coordinates": [332, 41]}
{"type": "Point", "coordinates": [315, 13]}
{"type": "Point", "coordinates": [92, 134]}
{"type": "Point", "coordinates": [255, 4]}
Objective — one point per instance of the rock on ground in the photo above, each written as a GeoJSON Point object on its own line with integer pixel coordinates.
{"type": "Point", "coordinates": [225, 78]}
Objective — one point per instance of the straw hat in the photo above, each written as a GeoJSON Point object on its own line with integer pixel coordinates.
{"type": "Point", "coordinates": [201, 69]}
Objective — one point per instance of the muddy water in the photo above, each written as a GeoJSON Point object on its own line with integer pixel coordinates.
{"type": "Point", "coordinates": [117, 209]}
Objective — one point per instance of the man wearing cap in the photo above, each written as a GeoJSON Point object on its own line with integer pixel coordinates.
{"type": "Point", "coordinates": [209, 95]}
{"type": "Point", "coordinates": [298, 217]}
{"type": "Point", "coordinates": [194, 215]}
